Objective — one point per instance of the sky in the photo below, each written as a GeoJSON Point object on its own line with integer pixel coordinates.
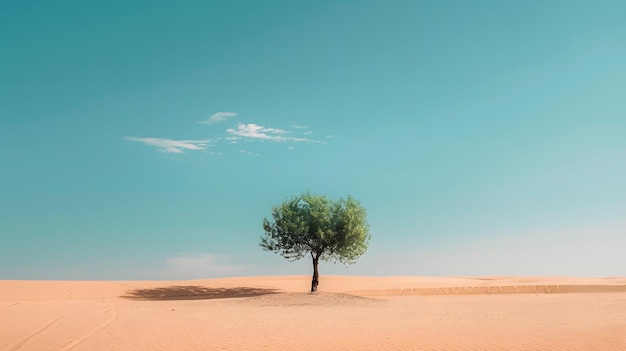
{"type": "Point", "coordinates": [149, 139]}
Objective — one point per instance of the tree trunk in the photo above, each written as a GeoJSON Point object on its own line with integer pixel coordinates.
{"type": "Point", "coordinates": [315, 276]}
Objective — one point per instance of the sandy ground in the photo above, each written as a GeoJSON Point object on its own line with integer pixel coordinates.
{"type": "Point", "coordinates": [349, 313]}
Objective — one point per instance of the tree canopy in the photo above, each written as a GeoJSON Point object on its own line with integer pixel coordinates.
{"type": "Point", "coordinates": [313, 224]}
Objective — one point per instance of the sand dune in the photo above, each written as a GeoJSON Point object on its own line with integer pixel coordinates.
{"type": "Point", "coordinates": [349, 313]}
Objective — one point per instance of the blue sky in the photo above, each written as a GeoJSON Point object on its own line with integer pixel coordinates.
{"type": "Point", "coordinates": [149, 139]}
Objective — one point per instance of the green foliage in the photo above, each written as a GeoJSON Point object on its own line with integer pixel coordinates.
{"type": "Point", "coordinates": [330, 230]}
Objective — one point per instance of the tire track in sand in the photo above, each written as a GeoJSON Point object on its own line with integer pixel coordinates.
{"type": "Point", "coordinates": [21, 343]}
{"type": "Point", "coordinates": [90, 333]}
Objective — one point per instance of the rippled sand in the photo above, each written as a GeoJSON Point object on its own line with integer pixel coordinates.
{"type": "Point", "coordinates": [349, 313]}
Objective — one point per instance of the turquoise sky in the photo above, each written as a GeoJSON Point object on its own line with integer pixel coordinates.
{"type": "Point", "coordinates": [149, 139]}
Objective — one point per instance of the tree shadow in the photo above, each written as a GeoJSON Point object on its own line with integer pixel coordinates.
{"type": "Point", "coordinates": [196, 293]}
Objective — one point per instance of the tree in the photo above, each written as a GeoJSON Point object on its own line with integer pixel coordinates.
{"type": "Point", "coordinates": [313, 224]}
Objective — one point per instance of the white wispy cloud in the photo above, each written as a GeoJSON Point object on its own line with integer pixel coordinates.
{"type": "Point", "coordinates": [199, 265]}
{"type": "Point", "coordinates": [248, 152]}
{"type": "Point", "coordinates": [171, 145]}
{"type": "Point", "coordinates": [255, 131]}
{"type": "Point", "coordinates": [218, 117]}
{"type": "Point", "coordinates": [240, 133]}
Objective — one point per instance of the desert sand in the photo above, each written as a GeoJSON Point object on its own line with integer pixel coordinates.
{"type": "Point", "coordinates": [349, 313]}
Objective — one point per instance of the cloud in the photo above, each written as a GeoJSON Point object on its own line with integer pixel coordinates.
{"type": "Point", "coordinates": [218, 117]}
{"type": "Point", "coordinates": [171, 145]}
{"type": "Point", "coordinates": [241, 133]}
{"type": "Point", "coordinates": [255, 131]}
{"type": "Point", "coordinates": [583, 251]}
{"type": "Point", "coordinates": [200, 265]}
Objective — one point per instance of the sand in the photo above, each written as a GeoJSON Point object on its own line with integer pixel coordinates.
{"type": "Point", "coordinates": [349, 313]}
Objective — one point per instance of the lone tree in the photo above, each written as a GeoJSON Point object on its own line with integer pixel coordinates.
{"type": "Point", "coordinates": [312, 224]}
